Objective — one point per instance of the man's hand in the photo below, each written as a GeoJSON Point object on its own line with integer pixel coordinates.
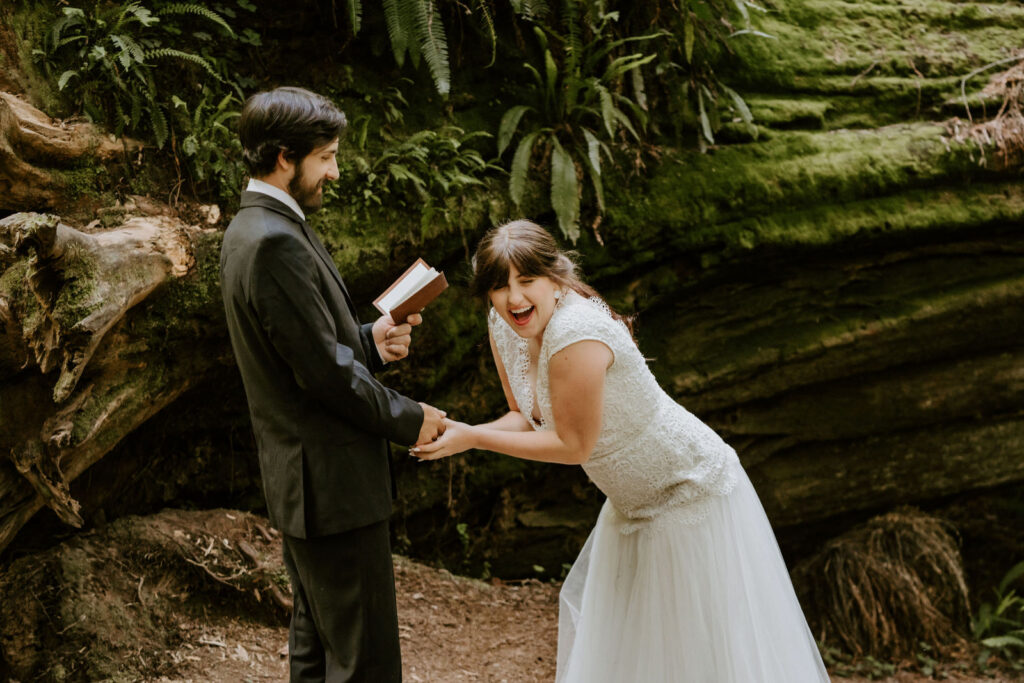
{"type": "Point", "coordinates": [433, 424]}
{"type": "Point", "coordinates": [458, 437]}
{"type": "Point", "coordinates": [393, 340]}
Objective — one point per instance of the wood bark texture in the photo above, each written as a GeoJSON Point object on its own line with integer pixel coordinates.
{"type": "Point", "coordinates": [77, 371]}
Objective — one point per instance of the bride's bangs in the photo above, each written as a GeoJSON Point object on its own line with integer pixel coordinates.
{"type": "Point", "coordinates": [527, 260]}
{"type": "Point", "coordinates": [520, 244]}
{"type": "Point", "coordinates": [491, 274]}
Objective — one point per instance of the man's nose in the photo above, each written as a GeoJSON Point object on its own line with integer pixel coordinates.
{"type": "Point", "coordinates": [332, 170]}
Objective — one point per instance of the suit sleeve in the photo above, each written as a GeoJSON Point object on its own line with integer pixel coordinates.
{"type": "Point", "coordinates": [299, 325]}
{"type": "Point", "coordinates": [370, 348]}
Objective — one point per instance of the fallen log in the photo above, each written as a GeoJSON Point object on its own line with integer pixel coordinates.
{"type": "Point", "coordinates": [83, 362]}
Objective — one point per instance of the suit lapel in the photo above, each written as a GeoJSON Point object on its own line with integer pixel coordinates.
{"type": "Point", "coordinates": [321, 250]}
{"type": "Point", "coordinates": [267, 202]}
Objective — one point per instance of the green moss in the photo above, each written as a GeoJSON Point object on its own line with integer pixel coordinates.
{"type": "Point", "coordinates": [898, 59]}
{"type": "Point", "coordinates": [693, 195]}
{"type": "Point", "coordinates": [87, 180]}
{"type": "Point", "coordinates": [807, 112]}
{"type": "Point", "coordinates": [79, 296]}
{"type": "Point", "coordinates": [29, 22]}
{"type": "Point", "coordinates": [12, 280]}
{"type": "Point", "coordinates": [912, 211]}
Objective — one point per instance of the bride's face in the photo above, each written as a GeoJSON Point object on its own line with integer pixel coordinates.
{"type": "Point", "coordinates": [525, 302]}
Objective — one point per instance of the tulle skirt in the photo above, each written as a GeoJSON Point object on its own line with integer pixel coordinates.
{"type": "Point", "coordinates": [690, 603]}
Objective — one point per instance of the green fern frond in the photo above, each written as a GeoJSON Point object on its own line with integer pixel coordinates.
{"type": "Point", "coordinates": [129, 51]}
{"type": "Point", "coordinates": [398, 29]}
{"type": "Point", "coordinates": [355, 15]}
{"type": "Point", "coordinates": [136, 113]}
{"type": "Point", "coordinates": [574, 38]}
{"type": "Point", "coordinates": [565, 199]}
{"type": "Point", "coordinates": [521, 167]}
{"type": "Point", "coordinates": [72, 17]}
{"type": "Point", "coordinates": [171, 53]}
{"type": "Point", "coordinates": [195, 10]}
{"type": "Point", "coordinates": [531, 9]}
{"type": "Point", "coordinates": [62, 82]}
{"type": "Point", "coordinates": [159, 122]}
{"type": "Point", "coordinates": [132, 13]}
{"type": "Point", "coordinates": [433, 44]}
{"type": "Point", "coordinates": [119, 117]}
{"type": "Point", "coordinates": [489, 21]}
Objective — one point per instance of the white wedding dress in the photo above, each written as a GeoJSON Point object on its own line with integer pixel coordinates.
{"type": "Point", "coordinates": [681, 579]}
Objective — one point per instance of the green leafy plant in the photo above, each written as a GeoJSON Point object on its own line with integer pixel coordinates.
{"type": "Point", "coordinates": [698, 34]}
{"type": "Point", "coordinates": [111, 59]}
{"type": "Point", "coordinates": [415, 30]}
{"type": "Point", "coordinates": [421, 170]}
{"type": "Point", "coordinates": [999, 625]}
{"type": "Point", "coordinates": [578, 106]}
{"type": "Point", "coordinates": [210, 144]}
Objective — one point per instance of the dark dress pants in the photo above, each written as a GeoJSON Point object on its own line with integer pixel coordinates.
{"type": "Point", "coordinates": [344, 626]}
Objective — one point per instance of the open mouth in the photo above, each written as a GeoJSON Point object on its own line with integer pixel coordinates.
{"type": "Point", "coordinates": [522, 316]}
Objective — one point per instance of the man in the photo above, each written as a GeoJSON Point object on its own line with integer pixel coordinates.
{"type": "Point", "coordinates": [322, 422]}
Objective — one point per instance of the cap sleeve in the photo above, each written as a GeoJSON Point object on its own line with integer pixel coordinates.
{"type": "Point", "coordinates": [584, 320]}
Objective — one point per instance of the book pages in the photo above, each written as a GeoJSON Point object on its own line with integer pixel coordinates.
{"type": "Point", "coordinates": [417, 278]}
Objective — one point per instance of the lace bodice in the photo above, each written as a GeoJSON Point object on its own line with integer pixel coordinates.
{"type": "Point", "coordinates": [653, 459]}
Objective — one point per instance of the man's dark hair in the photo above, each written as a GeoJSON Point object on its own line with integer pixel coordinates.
{"type": "Point", "coordinates": [294, 120]}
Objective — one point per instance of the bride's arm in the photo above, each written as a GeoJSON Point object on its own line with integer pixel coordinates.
{"type": "Point", "coordinates": [576, 381]}
{"type": "Point", "coordinates": [512, 421]}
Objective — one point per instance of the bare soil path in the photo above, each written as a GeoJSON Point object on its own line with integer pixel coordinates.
{"type": "Point", "coordinates": [453, 629]}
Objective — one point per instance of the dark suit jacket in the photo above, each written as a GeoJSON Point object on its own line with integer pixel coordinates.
{"type": "Point", "coordinates": [322, 421]}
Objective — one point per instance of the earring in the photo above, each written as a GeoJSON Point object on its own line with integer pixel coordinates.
{"type": "Point", "coordinates": [558, 294]}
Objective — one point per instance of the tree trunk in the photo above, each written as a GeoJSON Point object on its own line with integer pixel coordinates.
{"type": "Point", "coordinates": [34, 149]}
{"type": "Point", "coordinates": [83, 361]}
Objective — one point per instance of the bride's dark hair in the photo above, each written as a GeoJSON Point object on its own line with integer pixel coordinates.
{"type": "Point", "coordinates": [533, 252]}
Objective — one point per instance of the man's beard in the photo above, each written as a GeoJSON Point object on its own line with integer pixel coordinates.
{"type": "Point", "coordinates": [307, 196]}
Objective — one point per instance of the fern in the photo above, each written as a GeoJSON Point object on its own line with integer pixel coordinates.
{"type": "Point", "coordinates": [531, 9]}
{"type": "Point", "coordinates": [564, 188]}
{"type": "Point", "coordinates": [129, 50]}
{"type": "Point", "coordinates": [415, 29]}
{"type": "Point", "coordinates": [397, 23]}
{"type": "Point", "coordinates": [489, 21]}
{"type": "Point", "coordinates": [104, 60]}
{"type": "Point", "coordinates": [433, 44]}
{"type": "Point", "coordinates": [197, 10]}
{"type": "Point", "coordinates": [355, 15]}
{"type": "Point", "coordinates": [159, 122]}
{"type": "Point", "coordinates": [172, 53]}
{"type": "Point", "coordinates": [72, 17]}
{"type": "Point", "coordinates": [574, 39]}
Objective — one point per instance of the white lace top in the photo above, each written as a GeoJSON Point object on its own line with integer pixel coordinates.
{"type": "Point", "coordinates": [653, 459]}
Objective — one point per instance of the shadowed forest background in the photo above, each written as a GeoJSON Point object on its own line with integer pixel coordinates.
{"type": "Point", "coordinates": [813, 208]}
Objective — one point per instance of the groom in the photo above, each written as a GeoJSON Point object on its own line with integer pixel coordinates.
{"type": "Point", "coordinates": [322, 422]}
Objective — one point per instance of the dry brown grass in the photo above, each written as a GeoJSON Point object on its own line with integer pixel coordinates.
{"type": "Point", "coordinates": [1004, 133]}
{"type": "Point", "coordinates": [887, 586]}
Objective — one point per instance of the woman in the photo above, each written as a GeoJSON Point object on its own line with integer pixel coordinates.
{"type": "Point", "coordinates": [681, 578]}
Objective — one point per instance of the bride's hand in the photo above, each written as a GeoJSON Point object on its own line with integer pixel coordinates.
{"type": "Point", "coordinates": [457, 437]}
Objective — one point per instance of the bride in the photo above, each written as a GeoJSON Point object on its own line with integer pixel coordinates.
{"type": "Point", "coordinates": [681, 579]}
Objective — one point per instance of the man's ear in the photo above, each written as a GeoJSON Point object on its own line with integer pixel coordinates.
{"type": "Point", "coordinates": [283, 162]}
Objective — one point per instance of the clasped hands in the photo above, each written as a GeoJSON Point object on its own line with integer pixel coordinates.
{"type": "Point", "coordinates": [453, 438]}
{"type": "Point", "coordinates": [439, 437]}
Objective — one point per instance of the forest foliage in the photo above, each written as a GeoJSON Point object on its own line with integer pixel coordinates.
{"type": "Point", "coordinates": [590, 83]}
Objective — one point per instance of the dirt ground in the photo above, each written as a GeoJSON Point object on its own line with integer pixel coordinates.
{"type": "Point", "coordinates": [451, 629]}
{"type": "Point", "coordinates": [195, 596]}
